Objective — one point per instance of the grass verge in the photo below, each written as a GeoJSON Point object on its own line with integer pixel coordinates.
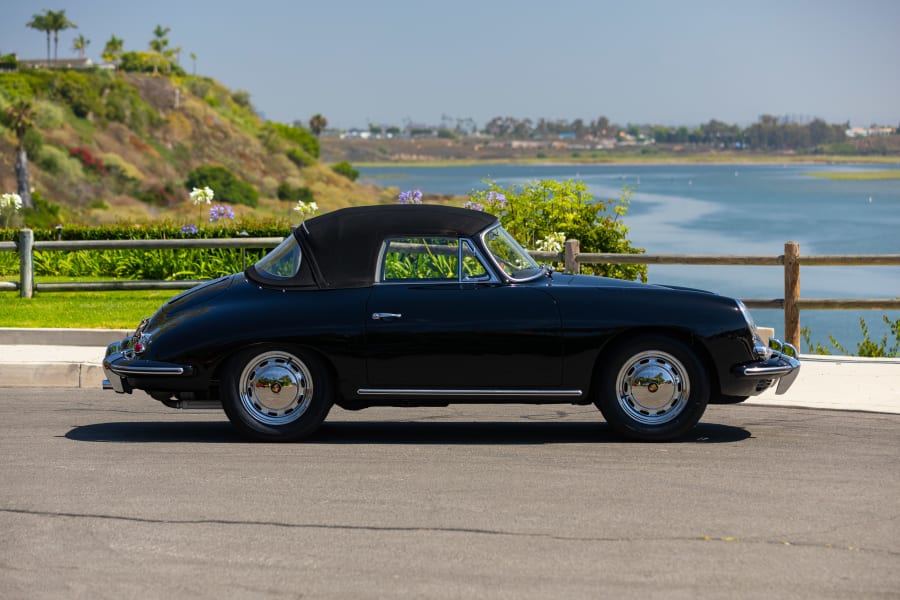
{"type": "Point", "coordinates": [91, 310]}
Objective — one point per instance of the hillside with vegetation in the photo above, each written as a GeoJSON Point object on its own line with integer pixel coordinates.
{"type": "Point", "coordinates": [106, 146]}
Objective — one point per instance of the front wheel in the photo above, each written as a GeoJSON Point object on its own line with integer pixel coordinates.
{"type": "Point", "coordinates": [276, 394]}
{"type": "Point", "coordinates": [652, 388]}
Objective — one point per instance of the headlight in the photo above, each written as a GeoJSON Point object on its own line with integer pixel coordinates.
{"type": "Point", "coordinates": [759, 348]}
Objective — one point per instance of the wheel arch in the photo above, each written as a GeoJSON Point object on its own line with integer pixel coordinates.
{"type": "Point", "coordinates": [682, 335]}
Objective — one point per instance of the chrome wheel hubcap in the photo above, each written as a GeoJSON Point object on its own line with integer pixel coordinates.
{"type": "Point", "coordinates": [276, 388]}
{"type": "Point", "coordinates": [653, 387]}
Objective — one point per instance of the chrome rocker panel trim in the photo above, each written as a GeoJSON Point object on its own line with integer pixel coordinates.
{"type": "Point", "coordinates": [470, 393]}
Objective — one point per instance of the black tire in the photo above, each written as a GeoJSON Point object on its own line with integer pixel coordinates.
{"type": "Point", "coordinates": [671, 397]}
{"type": "Point", "coordinates": [276, 393]}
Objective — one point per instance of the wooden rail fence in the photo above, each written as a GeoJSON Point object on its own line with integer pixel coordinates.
{"type": "Point", "coordinates": [571, 257]}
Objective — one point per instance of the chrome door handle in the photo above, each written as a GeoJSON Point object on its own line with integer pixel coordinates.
{"type": "Point", "coordinates": [381, 316]}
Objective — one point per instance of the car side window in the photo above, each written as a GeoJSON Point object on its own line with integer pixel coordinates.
{"type": "Point", "coordinates": [472, 267]}
{"type": "Point", "coordinates": [420, 258]}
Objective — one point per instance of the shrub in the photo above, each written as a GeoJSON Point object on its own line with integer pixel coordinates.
{"type": "Point", "coordinates": [88, 160]}
{"type": "Point", "coordinates": [344, 168]}
{"type": "Point", "coordinates": [157, 195]}
{"type": "Point", "coordinates": [225, 184]}
{"type": "Point", "coordinates": [76, 90]}
{"type": "Point", "coordinates": [299, 135]}
{"type": "Point", "coordinates": [293, 194]}
{"type": "Point", "coordinates": [300, 158]}
{"type": "Point", "coordinates": [538, 212]}
{"type": "Point", "coordinates": [121, 167]}
{"type": "Point", "coordinates": [142, 264]}
{"type": "Point", "coordinates": [147, 62]}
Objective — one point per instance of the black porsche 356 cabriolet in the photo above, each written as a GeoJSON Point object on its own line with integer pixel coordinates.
{"type": "Point", "coordinates": [418, 305]}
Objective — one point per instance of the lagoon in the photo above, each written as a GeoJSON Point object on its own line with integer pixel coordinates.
{"type": "Point", "coordinates": [730, 209]}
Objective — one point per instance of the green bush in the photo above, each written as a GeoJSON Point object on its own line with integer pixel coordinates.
{"type": "Point", "coordinates": [300, 158]}
{"type": "Point", "coordinates": [539, 213]}
{"type": "Point", "coordinates": [867, 347]}
{"type": "Point", "coordinates": [147, 62]}
{"type": "Point", "coordinates": [290, 193]}
{"type": "Point", "coordinates": [298, 135]}
{"type": "Point", "coordinates": [201, 263]}
{"type": "Point", "coordinates": [344, 168]}
{"type": "Point", "coordinates": [227, 187]}
{"type": "Point", "coordinates": [78, 91]}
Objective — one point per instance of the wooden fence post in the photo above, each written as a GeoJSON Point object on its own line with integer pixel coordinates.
{"type": "Point", "coordinates": [26, 263]}
{"type": "Point", "coordinates": [792, 293]}
{"type": "Point", "coordinates": [571, 251]}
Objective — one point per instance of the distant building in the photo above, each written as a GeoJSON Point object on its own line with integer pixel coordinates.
{"type": "Point", "coordinates": [857, 132]}
{"type": "Point", "coordinates": [56, 63]}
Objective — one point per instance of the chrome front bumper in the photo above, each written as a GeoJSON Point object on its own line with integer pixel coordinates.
{"type": "Point", "coordinates": [781, 367]}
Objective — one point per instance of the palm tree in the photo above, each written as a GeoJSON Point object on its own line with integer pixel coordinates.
{"type": "Point", "coordinates": [57, 21]}
{"type": "Point", "coordinates": [194, 61]}
{"type": "Point", "coordinates": [18, 117]}
{"type": "Point", "coordinates": [113, 49]}
{"type": "Point", "coordinates": [317, 123]}
{"type": "Point", "coordinates": [41, 23]}
{"type": "Point", "coordinates": [80, 45]}
{"type": "Point", "coordinates": [160, 43]}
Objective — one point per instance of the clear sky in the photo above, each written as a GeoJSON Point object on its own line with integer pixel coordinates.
{"type": "Point", "coordinates": [678, 62]}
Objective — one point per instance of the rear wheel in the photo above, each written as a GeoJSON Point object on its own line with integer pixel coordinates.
{"type": "Point", "coordinates": [652, 388]}
{"type": "Point", "coordinates": [275, 394]}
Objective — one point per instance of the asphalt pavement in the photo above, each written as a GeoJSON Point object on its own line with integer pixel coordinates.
{"type": "Point", "coordinates": [71, 358]}
{"type": "Point", "coordinates": [107, 495]}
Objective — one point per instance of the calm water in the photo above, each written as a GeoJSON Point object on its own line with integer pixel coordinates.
{"type": "Point", "coordinates": [720, 209]}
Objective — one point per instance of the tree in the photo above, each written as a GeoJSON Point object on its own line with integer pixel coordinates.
{"type": "Point", "coordinates": [113, 50]}
{"type": "Point", "coordinates": [57, 21]}
{"type": "Point", "coordinates": [317, 123]}
{"type": "Point", "coordinates": [80, 45]}
{"type": "Point", "coordinates": [19, 117]}
{"type": "Point", "coordinates": [194, 63]}
{"type": "Point", "coordinates": [41, 23]}
{"type": "Point", "coordinates": [159, 43]}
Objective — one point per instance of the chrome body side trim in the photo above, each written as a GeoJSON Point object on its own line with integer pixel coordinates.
{"type": "Point", "coordinates": [431, 393]}
{"type": "Point", "coordinates": [147, 370]}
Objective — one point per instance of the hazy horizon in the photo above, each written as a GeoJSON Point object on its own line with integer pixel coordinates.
{"type": "Point", "coordinates": [394, 62]}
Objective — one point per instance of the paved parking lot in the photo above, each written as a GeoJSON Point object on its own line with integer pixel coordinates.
{"type": "Point", "coordinates": [104, 495]}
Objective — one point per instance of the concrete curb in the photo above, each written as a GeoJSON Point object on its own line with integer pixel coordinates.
{"type": "Point", "coordinates": [14, 336]}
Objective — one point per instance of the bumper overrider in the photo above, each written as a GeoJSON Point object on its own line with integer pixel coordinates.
{"type": "Point", "coordinates": [777, 365]}
{"type": "Point", "coordinates": [124, 367]}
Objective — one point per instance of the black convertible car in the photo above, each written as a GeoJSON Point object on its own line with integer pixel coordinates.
{"type": "Point", "coordinates": [418, 305]}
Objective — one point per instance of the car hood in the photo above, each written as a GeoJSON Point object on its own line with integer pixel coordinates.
{"type": "Point", "coordinates": [592, 281]}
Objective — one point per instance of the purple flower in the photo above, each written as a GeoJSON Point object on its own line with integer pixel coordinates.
{"type": "Point", "coordinates": [410, 197]}
{"type": "Point", "coordinates": [495, 198]}
{"type": "Point", "coordinates": [189, 229]}
{"type": "Point", "coordinates": [474, 206]}
{"type": "Point", "coordinates": [220, 211]}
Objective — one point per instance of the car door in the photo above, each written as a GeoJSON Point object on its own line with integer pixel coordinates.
{"type": "Point", "coordinates": [437, 319]}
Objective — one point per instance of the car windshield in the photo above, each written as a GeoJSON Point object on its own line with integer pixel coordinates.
{"type": "Point", "coordinates": [510, 256]}
{"type": "Point", "coordinates": [283, 262]}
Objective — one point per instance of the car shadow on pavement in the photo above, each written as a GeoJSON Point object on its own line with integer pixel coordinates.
{"type": "Point", "coordinates": [393, 432]}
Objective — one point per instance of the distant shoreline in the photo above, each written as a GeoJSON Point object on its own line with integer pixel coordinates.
{"type": "Point", "coordinates": [631, 161]}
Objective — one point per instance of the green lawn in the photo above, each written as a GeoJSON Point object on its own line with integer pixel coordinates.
{"type": "Point", "coordinates": [114, 310]}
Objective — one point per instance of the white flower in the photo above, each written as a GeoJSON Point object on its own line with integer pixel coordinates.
{"type": "Point", "coordinates": [306, 208]}
{"type": "Point", "coordinates": [13, 200]}
{"type": "Point", "coordinates": [201, 195]}
{"type": "Point", "coordinates": [552, 242]}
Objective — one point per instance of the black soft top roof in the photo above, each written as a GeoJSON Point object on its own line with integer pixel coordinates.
{"type": "Point", "coordinates": [345, 244]}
